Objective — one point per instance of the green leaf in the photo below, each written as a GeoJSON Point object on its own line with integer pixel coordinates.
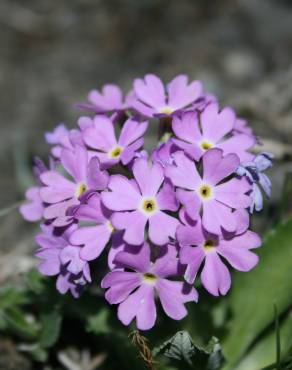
{"type": "Point", "coordinates": [178, 347]}
{"type": "Point", "coordinates": [98, 324]}
{"type": "Point", "coordinates": [181, 347]}
{"type": "Point", "coordinates": [254, 293]}
{"type": "Point", "coordinates": [216, 358]}
{"type": "Point", "coordinates": [18, 322]}
{"type": "Point", "coordinates": [35, 281]}
{"type": "Point", "coordinates": [11, 296]}
{"type": "Point", "coordinates": [51, 326]}
{"type": "Point", "coordinates": [35, 351]}
{"type": "Point", "coordinates": [264, 352]}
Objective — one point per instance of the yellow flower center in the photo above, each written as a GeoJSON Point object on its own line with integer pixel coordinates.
{"type": "Point", "coordinates": [205, 145]}
{"type": "Point", "coordinates": [166, 110]}
{"type": "Point", "coordinates": [81, 189]}
{"type": "Point", "coordinates": [115, 152]}
{"type": "Point", "coordinates": [149, 278]}
{"type": "Point", "coordinates": [208, 245]}
{"type": "Point", "coordinates": [110, 226]}
{"type": "Point", "coordinates": [205, 192]}
{"type": "Point", "coordinates": [149, 205]}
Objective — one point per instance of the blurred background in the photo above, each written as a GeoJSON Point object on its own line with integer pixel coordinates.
{"type": "Point", "coordinates": [53, 52]}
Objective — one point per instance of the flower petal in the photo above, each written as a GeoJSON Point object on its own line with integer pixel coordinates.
{"type": "Point", "coordinates": [217, 167]}
{"type": "Point", "coordinates": [93, 239]}
{"type": "Point", "coordinates": [75, 162]}
{"type": "Point", "coordinates": [215, 276]}
{"type": "Point", "coordinates": [215, 124]}
{"type": "Point", "coordinates": [123, 195]}
{"type": "Point", "coordinates": [184, 174]}
{"type": "Point", "coordinates": [173, 297]}
{"type": "Point", "coordinates": [58, 187]}
{"type": "Point", "coordinates": [166, 198]}
{"type": "Point", "coordinates": [141, 305]}
{"type": "Point", "coordinates": [162, 227]}
{"type": "Point", "coordinates": [137, 259]}
{"type": "Point", "coordinates": [180, 94]}
{"type": "Point", "coordinates": [166, 263]}
{"type": "Point", "coordinates": [191, 201]}
{"type": "Point", "coordinates": [233, 193]}
{"type": "Point", "coordinates": [148, 178]}
{"type": "Point", "coordinates": [238, 144]}
{"type": "Point", "coordinates": [134, 225]}
{"type": "Point", "coordinates": [216, 216]}
{"type": "Point", "coordinates": [150, 91]}
{"type": "Point", "coordinates": [193, 258]}
{"type": "Point", "coordinates": [132, 130]}
{"type": "Point", "coordinates": [187, 127]}
{"type": "Point", "coordinates": [102, 135]}
{"type": "Point", "coordinates": [120, 284]}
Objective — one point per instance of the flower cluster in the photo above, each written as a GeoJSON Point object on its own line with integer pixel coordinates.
{"type": "Point", "coordinates": [168, 218]}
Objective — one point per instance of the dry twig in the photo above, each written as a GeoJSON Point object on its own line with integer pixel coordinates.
{"type": "Point", "coordinates": [144, 351]}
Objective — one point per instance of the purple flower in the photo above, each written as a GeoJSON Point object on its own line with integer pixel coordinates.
{"type": "Point", "coordinates": [142, 200]}
{"type": "Point", "coordinates": [253, 170]}
{"type": "Point", "coordinates": [199, 247]}
{"type": "Point", "coordinates": [62, 138]}
{"type": "Point", "coordinates": [199, 132]}
{"type": "Point", "coordinates": [60, 258]}
{"type": "Point", "coordinates": [210, 195]}
{"type": "Point", "coordinates": [203, 101]}
{"type": "Point", "coordinates": [135, 290]}
{"type": "Point", "coordinates": [93, 239]}
{"type": "Point", "coordinates": [241, 127]}
{"type": "Point", "coordinates": [101, 137]}
{"type": "Point", "coordinates": [58, 137]}
{"type": "Point", "coordinates": [110, 99]}
{"type": "Point", "coordinates": [34, 209]}
{"type": "Point", "coordinates": [62, 193]}
{"type": "Point", "coordinates": [152, 99]}
{"type": "Point", "coordinates": [163, 154]}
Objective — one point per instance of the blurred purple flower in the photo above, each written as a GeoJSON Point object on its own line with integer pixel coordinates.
{"type": "Point", "coordinates": [163, 153]}
{"type": "Point", "coordinates": [110, 99]}
{"type": "Point", "coordinates": [32, 210]}
{"type": "Point", "coordinates": [62, 138]}
{"type": "Point", "coordinates": [61, 193]}
{"type": "Point", "coordinates": [253, 170]}
{"type": "Point", "coordinates": [60, 258]}
{"type": "Point", "coordinates": [241, 127]}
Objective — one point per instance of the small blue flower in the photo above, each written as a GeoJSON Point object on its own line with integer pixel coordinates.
{"type": "Point", "coordinates": [253, 170]}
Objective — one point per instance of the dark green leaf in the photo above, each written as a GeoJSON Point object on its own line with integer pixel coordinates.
{"type": "Point", "coordinates": [51, 325]}
{"type": "Point", "coordinates": [216, 358]}
{"type": "Point", "coordinates": [179, 347]}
